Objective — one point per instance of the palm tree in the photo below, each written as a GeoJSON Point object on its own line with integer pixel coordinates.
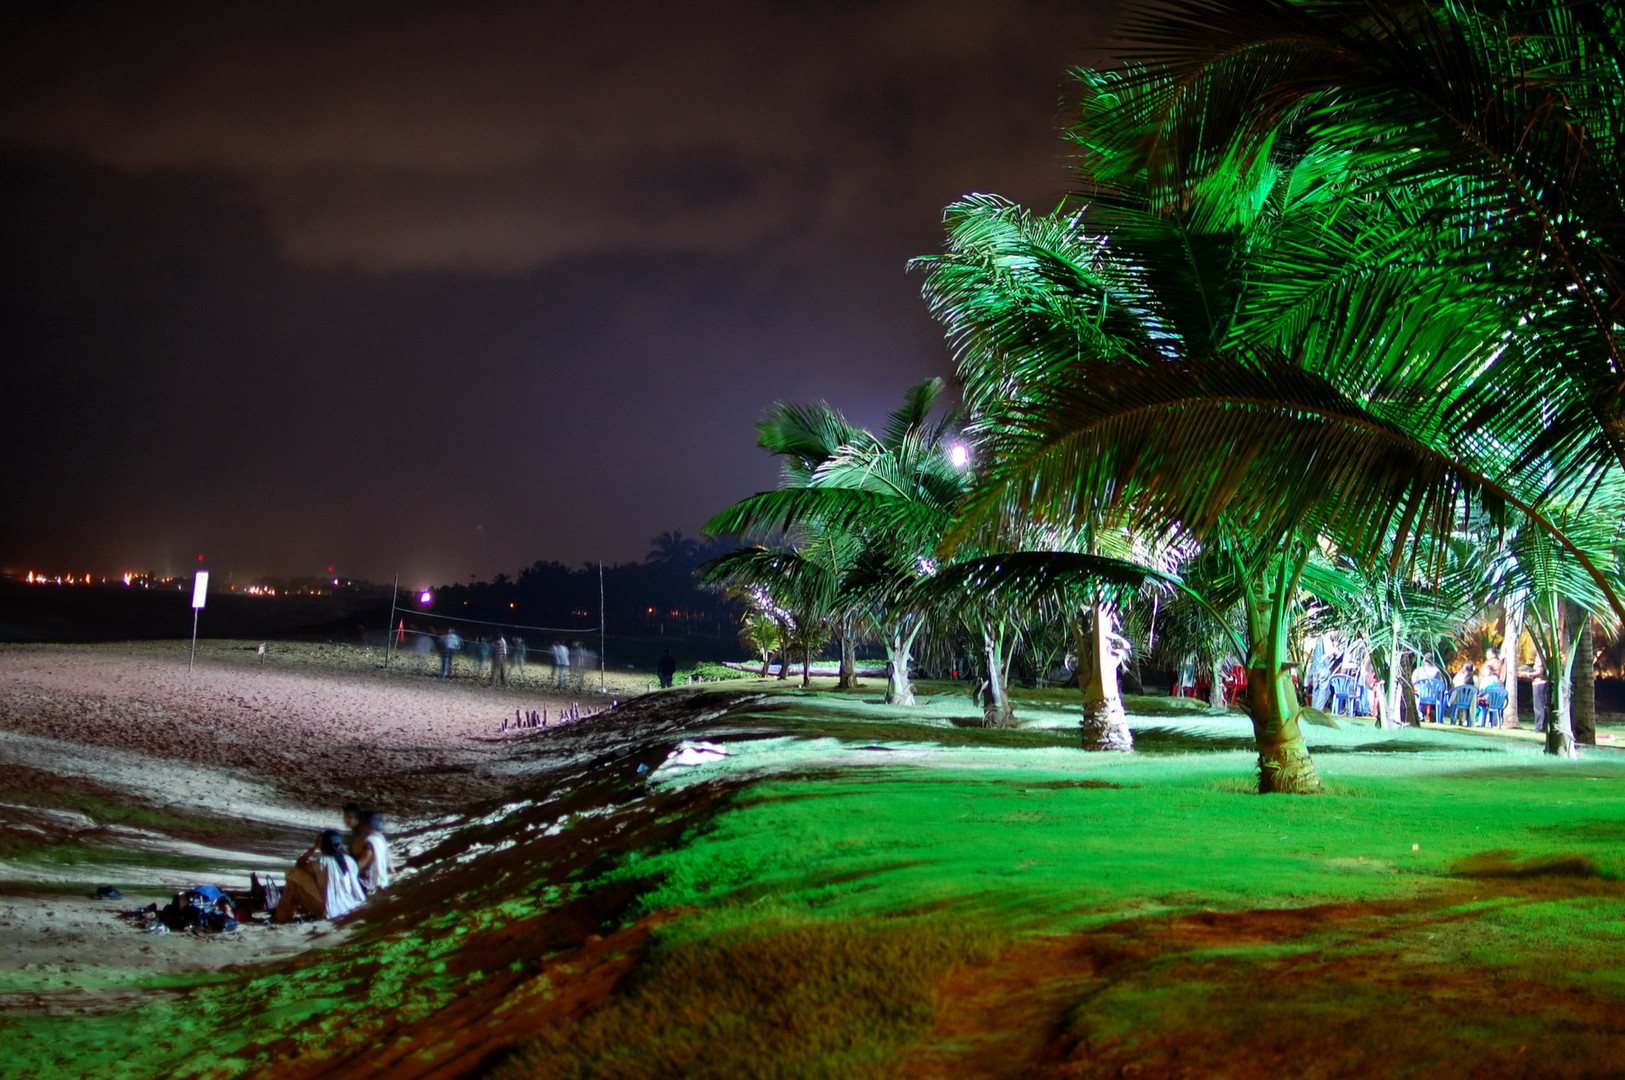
{"type": "Point", "coordinates": [1503, 121]}
{"type": "Point", "coordinates": [1396, 610]}
{"type": "Point", "coordinates": [799, 586]}
{"type": "Point", "coordinates": [1257, 359]}
{"type": "Point", "coordinates": [760, 632]}
{"type": "Point", "coordinates": [892, 496]}
{"type": "Point", "coordinates": [1559, 601]}
{"type": "Point", "coordinates": [672, 549]}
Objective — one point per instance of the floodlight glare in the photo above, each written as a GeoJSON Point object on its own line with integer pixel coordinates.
{"type": "Point", "coordinates": [425, 597]}
{"type": "Point", "coordinates": [959, 454]}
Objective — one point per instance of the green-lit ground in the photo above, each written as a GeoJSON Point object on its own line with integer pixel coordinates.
{"type": "Point", "coordinates": [858, 890]}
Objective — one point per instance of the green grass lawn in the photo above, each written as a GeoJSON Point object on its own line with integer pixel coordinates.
{"type": "Point", "coordinates": [859, 890]}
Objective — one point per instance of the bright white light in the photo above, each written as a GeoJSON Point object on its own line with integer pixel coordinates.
{"type": "Point", "coordinates": [425, 597]}
{"type": "Point", "coordinates": [959, 454]}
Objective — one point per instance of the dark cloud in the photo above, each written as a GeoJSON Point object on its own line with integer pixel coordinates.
{"type": "Point", "coordinates": [454, 286]}
{"type": "Point", "coordinates": [495, 137]}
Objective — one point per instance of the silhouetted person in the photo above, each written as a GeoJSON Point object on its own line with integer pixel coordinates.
{"type": "Point", "coordinates": [667, 668]}
{"type": "Point", "coordinates": [448, 651]}
{"type": "Point", "coordinates": [561, 665]}
{"type": "Point", "coordinates": [499, 660]}
{"type": "Point", "coordinates": [1541, 691]}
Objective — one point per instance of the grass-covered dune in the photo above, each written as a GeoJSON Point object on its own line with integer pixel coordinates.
{"type": "Point", "coordinates": [857, 890]}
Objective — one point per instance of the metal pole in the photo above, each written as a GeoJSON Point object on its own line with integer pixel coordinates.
{"type": "Point", "coordinates": [389, 627]}
{"type": "Point", "coordinates": [601, 626]}
{"type": "Point", "coordinates": [193, 658]}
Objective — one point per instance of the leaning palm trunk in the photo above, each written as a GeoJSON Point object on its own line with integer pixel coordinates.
{"type": "Point", "coordinates": [1284, 764]}
{"type": "Point", "coordinates": [1105, 724]}
{"type": "Point", "coordinates": [899, 659]}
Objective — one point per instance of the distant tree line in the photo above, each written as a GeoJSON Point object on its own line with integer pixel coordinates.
{"type": "Point", "coordinates": [659, 596]}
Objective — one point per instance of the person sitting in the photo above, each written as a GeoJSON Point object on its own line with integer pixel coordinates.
{"type": "Point", "coordinates": [322, 883]}
{"type": "Point", "coordinates": [1432, 692]}
{"type": "Point", "coordinates": [371, 849]}
{"type": "Point", "coordinates": [1370, 692]}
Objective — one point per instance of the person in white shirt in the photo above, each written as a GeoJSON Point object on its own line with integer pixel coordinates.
{"type": "Point", "coordinates": [323, 883]}
{"type": "Point", "coordinates": [371, 849]}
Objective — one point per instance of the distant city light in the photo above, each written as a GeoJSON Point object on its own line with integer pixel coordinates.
{"type": "Point", "coordinates": [959, 454]}
{"type": "Point", "coordinates": [425, 598]}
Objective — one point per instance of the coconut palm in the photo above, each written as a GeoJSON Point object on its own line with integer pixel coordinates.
{"type": "Point", "coordinates": [1398, 612]}
{"type": "Point", "coordinates": [1258, 360]}
{"type": "Point", "coordinates": [891, 495]}
{"type": "Point", "coordinates": [798, 586]}
{"type": "Point", "coordinates": [1503, 121]}
{"type": "Point", "coordinates": [760, 632]}
{"type": "Point", "coordinates": [1559, 601]}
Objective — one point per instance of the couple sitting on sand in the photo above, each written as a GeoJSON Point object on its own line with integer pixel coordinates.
{"type": "Point", "coordinates": [337, 875]}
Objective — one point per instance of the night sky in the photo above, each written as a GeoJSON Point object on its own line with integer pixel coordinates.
{"type": "Point", "coordinates": [448, 288]}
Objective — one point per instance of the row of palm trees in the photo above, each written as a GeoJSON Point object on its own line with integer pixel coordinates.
{"type": "Point", "coordinates": [1335, 313]}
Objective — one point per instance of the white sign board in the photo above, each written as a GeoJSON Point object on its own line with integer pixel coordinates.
{"type": "Point", "coordinates": [200, 588]}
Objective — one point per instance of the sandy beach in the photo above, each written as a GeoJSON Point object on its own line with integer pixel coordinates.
{"type": "Point", "coordinates": [118, 766]}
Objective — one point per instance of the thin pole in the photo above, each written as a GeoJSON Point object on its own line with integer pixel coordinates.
{"type": "Point", "coordinates": [389, 627]}
{"type": "Point", "coordinates": [601, 626]}
{"type": "Point", "coordinates": [193, 658]}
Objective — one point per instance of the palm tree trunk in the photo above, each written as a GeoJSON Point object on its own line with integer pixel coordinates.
{"type": "Point", "coordinates": [1284, 764]}
{"type": "Point", "coordinates": [1215, 687]}
{"type": "Point", "coordinates": [806, 662]}
{"type": "Point", "coordinates": [1511, 631]}
{"type": "Point", "coordinates": [1105, 724]}
{"type": "Point", "coordinates": [849, 659]}
{"type": "Point", "coordinates": [1560, 726]}
{"type": "Point", "coordinates": [899, 659]}
{"type": "Point", "coordinates": [996, 710]}
{"type": "Point", "coordinates": [1585, 685]}
{"type": "Point", "coordinates": [767, 662]}
{"type": "Point", "coordinates": [1393, 706]}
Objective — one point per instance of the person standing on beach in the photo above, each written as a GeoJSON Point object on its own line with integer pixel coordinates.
{"type": "Point", "coordinates": [448, 651]}
{"type": "Point", "coordinates": [667, 669]}
{"type": "Point", "coordinates": [499, 660]}
{"type": "Point", "coordinates": [561, 665]}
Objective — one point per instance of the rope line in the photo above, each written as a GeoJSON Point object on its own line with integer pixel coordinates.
{"type": "Point", "coordinates": [487, 622]}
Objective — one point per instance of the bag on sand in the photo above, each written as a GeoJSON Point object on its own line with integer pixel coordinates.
{"type": "Point", "coordinates": [202, 907]}
{"type": "Point", "coordinates": [266, 895]}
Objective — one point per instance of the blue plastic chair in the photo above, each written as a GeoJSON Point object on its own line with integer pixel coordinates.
{"type": "Point", "coordinates": [1431, 696]}
{"type": "Point", "coordinates": [1463, 700]}
{"type": "Point", "coordinates": [1343, 689]}
{"type": "Point", "coordinates": [1489, 710]}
